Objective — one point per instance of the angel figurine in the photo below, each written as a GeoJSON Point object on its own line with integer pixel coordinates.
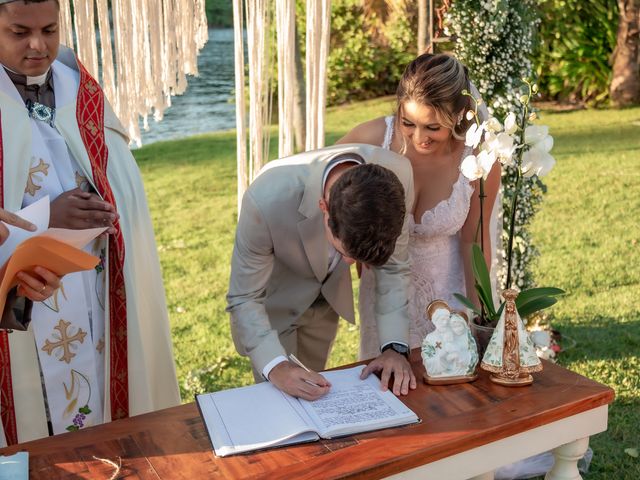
{"type": "Point", "coordinates": [449, 353]}
{"type": "Point", "coordinates": [511, 355]}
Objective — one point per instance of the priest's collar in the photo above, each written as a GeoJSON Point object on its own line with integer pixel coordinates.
{"type": "Point", "coordinates": [24, 80]}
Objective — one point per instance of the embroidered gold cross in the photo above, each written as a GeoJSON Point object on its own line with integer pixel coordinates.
{"type": "Point", "coordinates": [100, 346]}
{"type": "Point", "coordinates": [32, 188]}
{"type": "Point", "coordinates": [64, 341]}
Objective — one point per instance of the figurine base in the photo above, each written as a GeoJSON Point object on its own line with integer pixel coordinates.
{"type": "Point", "coordinates": [449, 380]}
{"type": "Point", "coordinates": [520, 381]}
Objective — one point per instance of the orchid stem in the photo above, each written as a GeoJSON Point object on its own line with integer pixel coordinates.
{"type": "Point", "coordinates": [512, 226]}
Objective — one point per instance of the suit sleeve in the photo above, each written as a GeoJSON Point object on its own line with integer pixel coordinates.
{"type": "Point", "coordinates": [392, 281]}
{"type": "Point", "coordinates": [251, 267]}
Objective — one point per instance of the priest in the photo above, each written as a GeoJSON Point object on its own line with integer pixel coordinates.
{"type": "Point", "coordinates": [99, 348]}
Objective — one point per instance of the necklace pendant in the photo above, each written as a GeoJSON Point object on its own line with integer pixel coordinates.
{"type": "Point", "coordinates": [41, 112]}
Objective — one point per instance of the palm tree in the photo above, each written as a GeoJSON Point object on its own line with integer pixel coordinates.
{"type": "Point", "coordinates": [625, 81]}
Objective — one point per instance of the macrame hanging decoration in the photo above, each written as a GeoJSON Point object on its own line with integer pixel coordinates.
{"type": "Point", "coordinates": [285, 21]}
{"type": "Point", "coordinates": [241, 134]}
{"type": "Point", "coordinates": [318, 27]}
{"type": "Point", "coordinates": [258, 26]}
{"type": "Point", "coordinates": [145, 52]}
{"type": "Point", "coordinates": [257, 14]}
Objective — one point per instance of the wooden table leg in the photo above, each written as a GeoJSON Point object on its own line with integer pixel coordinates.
{"type": "Point", "coordinates": [567, 456]}
{"type": "Point", "coordinates": [484, 476]}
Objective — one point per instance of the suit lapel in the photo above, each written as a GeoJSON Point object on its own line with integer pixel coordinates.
{"type": "Point", "coordinates": [315, 245]}
{"type": "Point", "coordinates": [311, 229]}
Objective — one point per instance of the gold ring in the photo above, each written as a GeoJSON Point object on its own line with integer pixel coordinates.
{"type": "Point", "coordinates": [44, 287]}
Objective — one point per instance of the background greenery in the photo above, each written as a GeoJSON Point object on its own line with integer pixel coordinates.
{"type": "Point", "coordinates": [576, 41]}
{"type": "Point", "coordinates": [219, 13]}
{"type": "Point", "coordinates": [587, 232]}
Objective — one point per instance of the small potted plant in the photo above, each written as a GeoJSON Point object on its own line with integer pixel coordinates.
{"type": "Point", "coordinates": [514, 142]}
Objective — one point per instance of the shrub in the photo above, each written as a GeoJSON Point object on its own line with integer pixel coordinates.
{"type": "Point", "coordinates": [577, 40]}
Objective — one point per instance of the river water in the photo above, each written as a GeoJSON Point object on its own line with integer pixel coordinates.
{"type": "Point", "coordinates": [206, 104]}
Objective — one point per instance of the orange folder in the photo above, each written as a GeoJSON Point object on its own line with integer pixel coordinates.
{"type": "Point", "coordinates": [45, 251]}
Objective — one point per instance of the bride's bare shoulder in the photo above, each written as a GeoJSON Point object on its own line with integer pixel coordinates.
{"type": "Point", "coordinates": [371, 132]}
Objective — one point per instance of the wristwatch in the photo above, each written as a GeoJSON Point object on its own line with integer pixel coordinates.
{"type": "Point", "coordinates": [400, 348]}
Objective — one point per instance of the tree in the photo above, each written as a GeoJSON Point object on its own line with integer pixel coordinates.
{"type": "Point", "coordinates": [423, 29]}
{"type": "Point", "coordinates": [625, 81]}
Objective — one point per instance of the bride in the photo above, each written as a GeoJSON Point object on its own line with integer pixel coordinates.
{"type": "Point", "coordinates": [428, 127]}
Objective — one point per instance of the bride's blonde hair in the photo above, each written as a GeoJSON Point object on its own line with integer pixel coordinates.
{"type": "Point", "coordinates": [437, 81]}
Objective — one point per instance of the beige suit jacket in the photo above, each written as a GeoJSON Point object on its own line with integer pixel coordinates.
{"type": "Point", "coordinates": [280, 258]}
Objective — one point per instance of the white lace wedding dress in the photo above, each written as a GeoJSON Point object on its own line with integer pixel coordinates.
{"type": "Point", "coordinates": [437, 270]}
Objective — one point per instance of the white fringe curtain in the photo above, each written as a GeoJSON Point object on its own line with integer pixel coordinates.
{"type": "Point", "coordinates": [285, 21]}
{"type": "Point", "coordinates": [147, 47]}
{"type": "Point", "coordinates": [258, 26]}
{"type": "Point", "coordinates": [318, 27]}
{"type": "Point", "coordinates": [241, 135]}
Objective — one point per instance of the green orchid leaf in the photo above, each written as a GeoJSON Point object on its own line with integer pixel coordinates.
{"type": "Point", "coordinates": [531, 294]}
{"type": "Point", "coordinates": [486, 300]}
{"type": "Point", "coordinates": [536, 305]}
{"type": "Point", "coordinates": [467, 303]}
{"type": "Point", "coordinates": [483, 283]}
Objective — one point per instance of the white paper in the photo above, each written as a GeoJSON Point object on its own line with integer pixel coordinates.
{"type": "Point", "coordinates": [75, 238]}
{"type": "Point", "coordinates": [250, 418]}
{"type": "Point", "coordinates": [352, 404]}
{"type": "Point", "coordinates": [36, 213]}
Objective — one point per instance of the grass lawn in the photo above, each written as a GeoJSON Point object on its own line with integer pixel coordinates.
{"type": "Point", "coordinates": [587, 231]}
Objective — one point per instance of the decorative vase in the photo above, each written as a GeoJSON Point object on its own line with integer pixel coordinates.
{"type": "Point", "coordinates": [511, 356]}
{"type": "Point", "coordinates": [482, 334]}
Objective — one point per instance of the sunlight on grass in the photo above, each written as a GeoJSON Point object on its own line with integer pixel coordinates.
{"type": "Point", "coordinates": [587, 231]}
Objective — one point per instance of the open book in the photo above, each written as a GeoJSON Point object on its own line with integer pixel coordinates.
{"type": "Point", "coordinates": [260, 416]}
{"type": "Point", "coordinates": [56, 249]}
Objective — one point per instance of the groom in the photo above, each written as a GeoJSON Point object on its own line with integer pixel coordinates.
{"type": "Point", "coordinates": [303, 222]}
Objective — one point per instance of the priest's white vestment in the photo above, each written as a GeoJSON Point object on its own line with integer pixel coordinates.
{"type": "Point", "coordinates": [147, 377]}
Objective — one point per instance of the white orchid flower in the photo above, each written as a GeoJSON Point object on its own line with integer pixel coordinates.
{"type": "Point", "coordinates": [474, 167]}
{"type": "Point", "coordinates": [511, 123]}
{"type": "Point", "coordinates": [470, 167]}
{"type": "Point", "coordinates": [474, 135]}
{"type": "Point", "coordinates": [494, 125]}
{"type": "Point", "coordinates": [502, 145]}
{"type": "Point", "coordinates": [537, 161]}
{"type": "Point", "coordinates": [535, 134]}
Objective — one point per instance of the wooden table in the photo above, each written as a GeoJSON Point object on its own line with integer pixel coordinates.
{"type": "Point", "coordinates": [466, 430]}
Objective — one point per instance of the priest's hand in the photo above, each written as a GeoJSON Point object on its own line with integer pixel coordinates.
{"type": "Point", "coordinates": [391, 362]}
{"type": "Point", "coordinates": [297, 382]}
{"type": "Point", "coordinates": [37, 287]}
{"type": "Point", "coordinates": [78, 210]}
{"type": "Point", "coordinates": [12, 219]}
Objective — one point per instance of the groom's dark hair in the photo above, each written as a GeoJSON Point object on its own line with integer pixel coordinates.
{"type": "Point", "coordinates": [366, 212]}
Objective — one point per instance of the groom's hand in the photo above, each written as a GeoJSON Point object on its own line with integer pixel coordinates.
{"type": "Point", "coordinates": [390, 362]}
{"type": "Point", "coordinates": [297, 382]}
